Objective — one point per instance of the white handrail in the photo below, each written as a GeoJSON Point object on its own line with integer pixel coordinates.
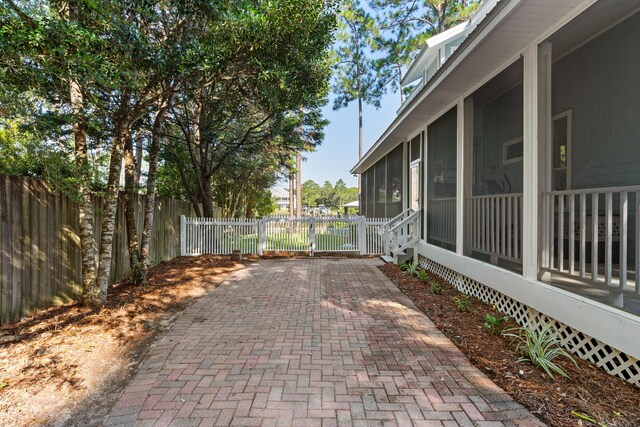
{"type": "Point", "coordinates": [629, 188]}
{"type": "Point", "coordinates": [405, 221]}
{"type": "Point", "coordinates": [398, 217]}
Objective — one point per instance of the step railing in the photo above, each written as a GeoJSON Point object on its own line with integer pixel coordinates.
{"type": "Point", "coordinates": [384, 229]}
{"type": "Point", "coordinates": [402, 232]}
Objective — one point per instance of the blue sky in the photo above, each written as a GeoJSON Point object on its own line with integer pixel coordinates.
{"type": "Point", "coordinates": [339, 152]}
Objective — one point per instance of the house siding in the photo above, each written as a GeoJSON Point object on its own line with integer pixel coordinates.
{"type": "Point", "coordinates": [600, 83]}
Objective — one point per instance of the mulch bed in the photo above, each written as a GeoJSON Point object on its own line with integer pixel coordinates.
{"type": "Point", "coordinates": [67, 364]}
{"type": "Point", "coordinates": [590, 392]}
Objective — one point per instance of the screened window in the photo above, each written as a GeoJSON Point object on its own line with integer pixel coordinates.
{"type": "Point", "coordinates": [415, 148]}
{"type": "Point", "coordinates": [394, 182]}
{"type": "Point", "coordinates": [380, 187]}
{"type": "Point", "coordinates": [370, 192]}
{"type": "Point", "coordinates": [441, 161]}
{"type": "Point", "coordinates": [494, 210]}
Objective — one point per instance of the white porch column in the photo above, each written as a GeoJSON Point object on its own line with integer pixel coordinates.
{"type": "Point", "coordinates": [545, 63]}
{"type": "Point", "coordinates": [406, 203]}
{"type": "Point", "coordinates": [530, 165]}
{"type": "Point", "coordinates": [460, 176]}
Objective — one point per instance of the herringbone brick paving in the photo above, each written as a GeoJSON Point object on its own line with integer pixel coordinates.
{"type": "Point", "coordinates": [310, 342]}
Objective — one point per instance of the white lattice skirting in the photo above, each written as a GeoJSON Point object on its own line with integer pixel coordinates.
{"type": "Point", "coordinates": [584, 346]}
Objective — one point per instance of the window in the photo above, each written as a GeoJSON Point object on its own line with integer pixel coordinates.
{"type": "Point", "coordinates": [512, 151]}
{"type": "Point", "coordinates": [415, 148]}
{"type": "Point", "coordinates": [561, 134]}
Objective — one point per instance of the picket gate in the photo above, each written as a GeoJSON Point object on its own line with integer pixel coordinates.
{"type": "Point", "coordinates": [281, 234]}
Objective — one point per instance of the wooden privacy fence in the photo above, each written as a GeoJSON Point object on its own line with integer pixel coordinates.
{"type": "Point", "coordinates": [256, 236]}
{"type": "Point", "coordinates": [40, 263]}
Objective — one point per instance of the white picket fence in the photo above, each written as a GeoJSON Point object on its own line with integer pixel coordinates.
{"type": "Point", "coordinates": [257, 236]}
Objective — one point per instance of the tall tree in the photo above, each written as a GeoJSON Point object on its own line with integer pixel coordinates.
{"type": "Point", "coordinates": [355, 77]}
{"type": "Point", "coordinates": [404, 27]}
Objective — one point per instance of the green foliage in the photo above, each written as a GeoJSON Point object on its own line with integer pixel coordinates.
{"type": "Point", "coordinates": [590, 419]}
{"type": "Point", "coordinates": [310, 193]}
{"type": "Point", "coordinates": [495, 324]}
{"type": "Point", "coordinates": [354, 75]}
{"type": "Point", "coordinates": [410, 268]}
{"type": "Point", "coordinates": [462, 302]}
{"type": "Point", "coordinates": [22, 153]}
{"type": "Point", "coordinates": [540, 347]}
{"type": "Point", "coordinates": [404, 27]}
{"type": "Point", "coordinates": [436, 287]}
{"type": "Point", "coordinates": [423, 276]}
{"type": "Point", "coordinates": [328, 195]}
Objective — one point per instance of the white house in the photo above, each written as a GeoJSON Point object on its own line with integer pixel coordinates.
{"type": "Point", "coordinates": [281, 197]}
{"type": "Point", "coordinates": [513, 169]}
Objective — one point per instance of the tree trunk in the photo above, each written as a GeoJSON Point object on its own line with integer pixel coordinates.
{"type": "Point", "coordinates": [85, 211]}
{"type": "Point", "coordinates": [130, 205]}
{"type": "Point", "coordinates": [360, 137]}
{"type": "Point", "coordinates": [298, 183]}
{"type": "Point", "coordinates": [400, 82]}
{"type": "Point", "coordinates": [291, 201]}
{"type": "Point", "coordinates": [207, 199]}
{"type": "Point", "coordinates": [149, 207]}
{"type": "Point", "coordinates": [122, 123]}
{"type": "Point", "coordinates": [138, 157]}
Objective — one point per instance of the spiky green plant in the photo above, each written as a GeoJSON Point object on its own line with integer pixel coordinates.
{"type": "Point", "coordinates": [540, 347]}
{"type": "Point", "coordinates": [405, 265]}
{"type": "Point", "coordinates": [423, 276]}
{"type": "Point", "coordinates": [436, 288]}
{"type": "Point", "coordinates": [410, 269]}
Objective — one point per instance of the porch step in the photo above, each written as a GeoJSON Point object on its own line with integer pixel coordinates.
{"type": "Point", "coordinates": [387, 259]}
{"type": "Point", "coordinates": [403, 256]}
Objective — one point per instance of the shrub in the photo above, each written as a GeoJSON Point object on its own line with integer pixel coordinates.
{"type": "Point", "coordinates": [494, 324]}
{"type": "Point", "coordinates": [436, 288]}
{"type": "Point", "coordinates": [462, 302]}
{"type": "Point", "coordinates": [541, 348]}
{"type": "Point", "coordinates": [410, 269]}
{"type": "Point", "coordinates": [406, 265]}
{"type": "Point", "coordinates": [423, 276]}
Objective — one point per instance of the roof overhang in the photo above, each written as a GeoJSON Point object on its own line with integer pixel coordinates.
{"type": "Point", "coordinates": [498, 40]}
{"type": "Point", "coordinates": [429, 52]}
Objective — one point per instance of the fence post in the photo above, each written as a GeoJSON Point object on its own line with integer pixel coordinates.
{"type": "Point", "coordinates": [183, 237]}
{"type": "Point", "coordinates": [312, 235]}
{"type": "Point", "coordinates": [260, 224]}
{"type": "Point", "coordinates": [362, 235]}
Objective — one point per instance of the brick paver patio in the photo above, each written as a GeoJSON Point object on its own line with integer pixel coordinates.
{"type": "Point", "coordinates": [310, 342]}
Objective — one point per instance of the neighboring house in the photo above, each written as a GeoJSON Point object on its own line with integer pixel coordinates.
{"type": "Point", "coordinates": [514, 168]}
{"type": "Point", "coordinates": [281, 197]}
{"type": "Point", "coordinates": [351, 208]}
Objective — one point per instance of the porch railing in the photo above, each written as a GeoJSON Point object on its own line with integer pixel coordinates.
{"type": "Point", "coordinates": [441, 220]}
{"type": "Point", "coordinates": [496, 226]}
{"type": "Point", "coordinates": [593, 234]}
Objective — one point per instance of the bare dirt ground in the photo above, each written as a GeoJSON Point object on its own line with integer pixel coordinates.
{"type": "Point", "coordinates": [67, 365]}
{"type": "Point", "coordinates": [590, 392]}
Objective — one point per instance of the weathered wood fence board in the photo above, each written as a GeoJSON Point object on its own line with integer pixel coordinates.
{"type": "Point", "coordinates": [40, 259]}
